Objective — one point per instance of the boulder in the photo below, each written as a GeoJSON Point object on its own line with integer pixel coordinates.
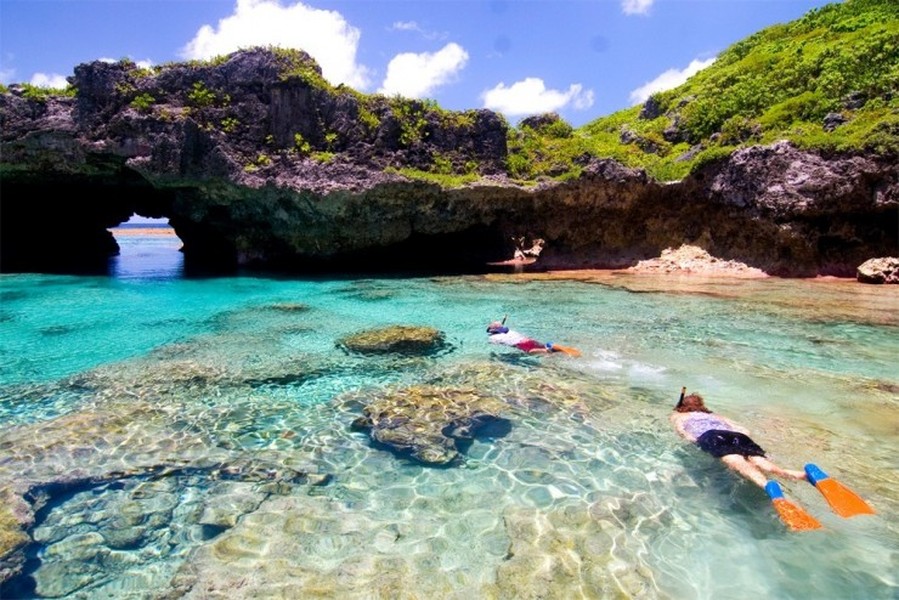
{"type": "Point", "coordinates": [398, 339]}
{"type": "Point", "coordinates": [879, 270]}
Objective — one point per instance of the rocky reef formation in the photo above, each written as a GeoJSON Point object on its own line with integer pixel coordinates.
{"type": "Point", "coordinates": [187, 470]}
{"type": "Point", "coordinates": [400, 339]}
{"type": "Point", "coordinates": [428, 423]}
{"type": "Point", "coordinates": [258, 163]}
{"type": "Point", "coordinates": [130, 426]}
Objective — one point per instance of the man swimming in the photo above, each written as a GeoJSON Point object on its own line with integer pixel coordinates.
{"type": "Point", "coordinates": [500, 334]}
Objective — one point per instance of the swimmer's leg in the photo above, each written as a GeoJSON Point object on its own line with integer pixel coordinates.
{"type": "Point", "coordinates": [766, 465]}
{"type": "Point", "coordinates": [793, 515]}
{"type": "Point", "coordinates": [745, 468]}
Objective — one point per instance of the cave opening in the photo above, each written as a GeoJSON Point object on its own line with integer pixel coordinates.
{"type": "Point", "coordinates": [62, 223]}
{"type": "Point", "coordinates": [149, 248]}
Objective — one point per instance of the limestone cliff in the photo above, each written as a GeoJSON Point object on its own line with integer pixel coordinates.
{"type": "Point", "coordinates": [259, 163]}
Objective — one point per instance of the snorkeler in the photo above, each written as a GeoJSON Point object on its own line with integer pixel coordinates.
{"type": "Point", "coordinates": [724, 439]}
{"type": "Point", "coordinates": [500, 334]}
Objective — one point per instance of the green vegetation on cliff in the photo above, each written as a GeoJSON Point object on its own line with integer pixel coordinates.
{"type": "Point", "coordinates": [828, 81]}
{"type": "Point", "coordinates": [42, 94]}
{"type": "Point", "coordinates": [839, 63]}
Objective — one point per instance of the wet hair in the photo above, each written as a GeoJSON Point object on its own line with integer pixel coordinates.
{"type": "Point", "coordinates": [691, 403]}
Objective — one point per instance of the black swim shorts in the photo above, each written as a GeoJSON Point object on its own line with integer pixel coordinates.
{"type": "Point", "coordinates": [719, 442]}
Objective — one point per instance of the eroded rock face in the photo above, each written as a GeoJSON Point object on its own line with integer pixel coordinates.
{"type": "Point", "coordinates": [257, 163]}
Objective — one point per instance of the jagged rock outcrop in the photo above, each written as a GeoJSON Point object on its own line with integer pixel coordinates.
{"type": "Point", "coordinates": [257, 162]}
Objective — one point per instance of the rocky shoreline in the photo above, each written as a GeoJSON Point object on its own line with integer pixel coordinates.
{"type": "Point", "coordinates": [693, 261]}
{"type": "Point", "coordinates": [273, 171]}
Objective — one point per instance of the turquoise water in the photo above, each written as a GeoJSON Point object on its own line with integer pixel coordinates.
{"type": "Point", "coordinates": [178, 437]}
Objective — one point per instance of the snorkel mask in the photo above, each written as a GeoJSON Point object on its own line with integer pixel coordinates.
{"type": "Point", "coordinates": [498, 326]}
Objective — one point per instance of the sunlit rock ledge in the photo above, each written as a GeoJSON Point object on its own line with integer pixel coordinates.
{"type": "Point", "coordinates": [257, 166]}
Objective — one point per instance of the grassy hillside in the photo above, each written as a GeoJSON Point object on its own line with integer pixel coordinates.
{"type": "Point", "coordinates": [840, 60]}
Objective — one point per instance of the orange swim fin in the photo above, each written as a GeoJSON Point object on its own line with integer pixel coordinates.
{"type": "Point", "coordinates": [566, 349]}
{"type": "Point", "coordinates": [793, 515]}
{"type": "Point", "coordinates": [841, 499]}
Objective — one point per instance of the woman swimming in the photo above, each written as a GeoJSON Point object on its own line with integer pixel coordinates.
{"type": "Point", "coordinates": [725, 439]}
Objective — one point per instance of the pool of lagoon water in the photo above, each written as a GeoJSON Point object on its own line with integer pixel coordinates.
{"type": "Point", "coordinates": [176, 437]}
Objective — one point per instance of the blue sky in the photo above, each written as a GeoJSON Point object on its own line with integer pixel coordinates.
{"type": "Point", "coordinates": [580, 58]}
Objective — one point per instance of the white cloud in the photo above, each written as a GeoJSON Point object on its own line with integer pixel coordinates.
{"type": "Point", "coordinates": [636, 7]}
{"type": "Point", "coordinates": [406, 26]}
{"type": "Point", "coordinates": [7, 75]}
{"type": "Point", "coordinates": [324, 34]}
{"type": "Point", "coordinates": [418, 75]}
{"type": "Point", "coordinates": [143, 64]}
{"type": "Point", "coordinates": [415, 27]}
{"type": "Point", "coordinates": [668, 80]}
{"type": "Point", "coordinates": [54, 81]}
{"type": "Point", "coordinates": [530, 96]}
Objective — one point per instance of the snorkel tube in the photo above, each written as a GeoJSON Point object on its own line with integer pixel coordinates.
{"type": "Point", "coordinates": [680, 402]}
{"type": "Point", "coordinates": [492, 329]}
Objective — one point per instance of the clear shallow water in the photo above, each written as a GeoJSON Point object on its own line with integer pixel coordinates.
{"type": "Point", "coordinates": [202, 431]}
